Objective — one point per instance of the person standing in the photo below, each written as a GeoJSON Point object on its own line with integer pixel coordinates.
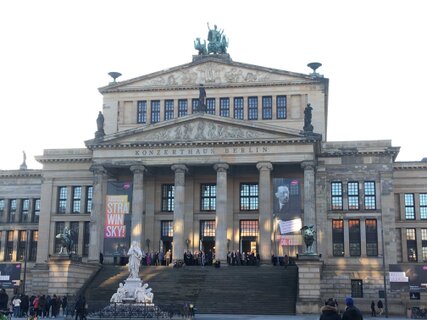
{"type": "Point", "coordinates": [351, 312]}
{"type": "Point", "coordinates": [4, 299]}
{"type": "Point", "coordinates": [64, 306]}
{"type": "Point", "coordinates": [329, 311]}
{"type": "Point", "coordinates": [373, 312]}
{"type": "Point", "coordinates": [16, 303]}
{"type": "Point", "coordinates": [380, 307]}
{"type": "Point", "coordinates": [80, 308]}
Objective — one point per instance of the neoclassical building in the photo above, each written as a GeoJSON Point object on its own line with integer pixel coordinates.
{"type": "Point", "coordinates": [240, 163]}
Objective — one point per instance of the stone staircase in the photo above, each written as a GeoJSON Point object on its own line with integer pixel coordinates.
{"type": "Point", "coordinates": [244, 289]}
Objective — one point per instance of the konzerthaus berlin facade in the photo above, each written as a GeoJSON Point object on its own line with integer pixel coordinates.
{"type": "Point", "coordinates": [177, 166]}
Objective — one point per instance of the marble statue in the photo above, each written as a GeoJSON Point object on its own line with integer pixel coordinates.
{"type": "Point", "coordinates": [66, 241]}
{"type": "Point", "coordinates": [135, 255]}
{"type": "Point", "coordinates": [143, 294]}
{"type": "Point", "coordinates": [308, 127]}
{"type": "Point", "coordinates": [119, 295]}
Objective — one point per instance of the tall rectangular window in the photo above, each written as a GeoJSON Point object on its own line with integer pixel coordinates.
{"type": "Point", "coordinates": [371, 237]}
{"type": "Point", "coordinates": [207, 228]}
{"type": "Point", "coordinates": [168, 195]}
{"type": "Point", "coordinates": [249, 228]}
{"type": "Point", "coordinates": [166, 229]}
{"type": "Point", "coordinates": [182, 107]}
{"type": "Point", "coordinates": [267, 107]}
{"type": "Point", "coordinates": [12, 210]}
{"type": "Point", "coordinates": [409, 206]}
{"type": "Point", "coordinates": [8, 253]}
{"type": "Point", "coordinates": [423, 206]}
{"type": "Point", "coordinates": [25, 210]}
{"type": "Point", "coordinates": [224, 107]}
{"type": "Point", "coordinates": [141, 115]}
{"type": "Point", "coordinates": [59, 228]}
{"type": "Point", "coordinates": [74, 228]}
{"type": "Point", "coordinates": [195, 105]}
{"type": "Point", "coordinates": [34, 239]}
{"type": "Point", "coordinates": [208, 197]}
{"type": "Point", "coordinates": [62, 199]}
{"type": "Point", "coordinates": [253, 108]}
{"type": "Point", "coordinates": [338, 237]}
{"type": "Point", "coordinates": [89, 199]}
{"type": "Point", "coordinates": [238, 108]}
{"type": "Point", "coordinates": [357, 288]}
{"type": "Point", "coordinates": [424, 244]}
{"type": "Point", "coordinates": [210, 105]}
{"type": "Point", "coordinates": [353, 195]}
{"type": "Point", "coordinates": [77, 197]}
{"type": "Point", "coordinates": [86, 238]}
{"type": "Point", "coordinates": [336, 196]}
{"type": "Point", "coordinates": [22, 244]}
{"type": "Point", "coordinates": [281, 107]}
{"type": "Point", "coordinates": [168, 109]}
{"type": "Point", "coordinates": [248, 196]}
{"type": "Point", "coordinates": [354, 237]}
{"type": "Point", "coordinates": [411, 244]}
{"type": "Point", "coordinates": [36, 211]}
{"type": "Point", "coordinates": [370, 196]}
{"type": "Point", "coordinates": [155, 111]}
{"type": "Point", "coordinates": [2, 207]}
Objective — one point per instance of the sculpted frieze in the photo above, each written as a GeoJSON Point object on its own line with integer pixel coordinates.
{"type": "Point", "coordinates": [203, 130]}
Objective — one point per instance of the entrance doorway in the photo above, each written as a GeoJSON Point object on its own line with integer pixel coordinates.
{"type": "Point", "coordinates": [249, 245]}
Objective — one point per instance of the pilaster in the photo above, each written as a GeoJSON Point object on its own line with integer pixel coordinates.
{"type": "Point", "coordinates": [44, 221]}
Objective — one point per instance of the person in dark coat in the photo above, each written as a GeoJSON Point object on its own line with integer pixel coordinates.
{"type": "Point", "coordinates": [373, 312]}
{"type": "Point", "coordinates": [4, 300]}
{"type": "Point", "coordinates": [329, 311]}
{"type": "Point", "coordinates": [80, 308]}
{"type": "Point", "coordinates": [351, 312]}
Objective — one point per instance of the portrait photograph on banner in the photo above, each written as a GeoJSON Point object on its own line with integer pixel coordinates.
{"type": "Point", "coordinates": [287, 199]}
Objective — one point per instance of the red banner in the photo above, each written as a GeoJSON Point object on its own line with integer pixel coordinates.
{"type": "Point", "coordinates": [116, 208]}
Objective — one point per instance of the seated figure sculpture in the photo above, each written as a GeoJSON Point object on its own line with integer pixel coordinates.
{"type": "Point", "coordinates": [143, 294]}
{"type": "Point", "coordinates": [119, 295]}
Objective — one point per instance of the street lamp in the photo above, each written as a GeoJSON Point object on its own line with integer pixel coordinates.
{"type": "Point", "coordinates": [384, 272]}
{"type": "Point", "coordinates": [25, 260]}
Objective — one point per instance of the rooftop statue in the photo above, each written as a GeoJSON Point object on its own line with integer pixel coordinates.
{"type": "Point", "coordinates": [308, 127]}
{"type": "Point", "coordinates": [200, 47]}
{"type": "Point", "coordinates": [100, 126]}
{"type": "Point", "coordinates": [218, 42]}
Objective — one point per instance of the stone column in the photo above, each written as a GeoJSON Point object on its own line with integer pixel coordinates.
{"type": "Point", "coordinates": [45, 241]}
{"type": "Point", "coordinates": [221, 212]}
{"type": "Point", "coordinates": [309, 196]}
{"type": "Point", "coordinates": [137, 204]}
{"type": "Point", "coordinates": [265, 211]}
{"type": "Point", "coordinates": [178, 214]}
{"type": "Point", "coordinates": [97, 215]}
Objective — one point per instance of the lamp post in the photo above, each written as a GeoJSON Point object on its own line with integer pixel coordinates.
{"type": "Point", "coordinates": [384, 273]}
{"type": "Point", "coordinates": [25, 260]}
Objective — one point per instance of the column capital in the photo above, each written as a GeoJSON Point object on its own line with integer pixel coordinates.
{"type": "Point", "coordinates": [264, 165]}
{"type": "Point", "coordinates": [179, 168]}
{"type": "Point", "coordinates": [138, 168]}
{"type": "Point", "coordinates": [221, 167]}
{"type": "Point", "coordinates": [308, 165]}
{"type": "Point", "coordinates": [98, 169]}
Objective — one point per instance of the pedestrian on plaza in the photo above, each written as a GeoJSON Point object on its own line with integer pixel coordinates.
{"type": "Point", "coordinates": [25, 304]}
{"type": "Point", "coordinates": [380, 307]}
{"type": "Point", "coordinates": [373, 312]}
{"type": "Point", "coordinates": [329, 311]}
{"type": "Point", "coordinates": [64, 306]}
{"type": "Point", "coordinates": [351, 312]}
{"type": "Point", "coordinates": [16, 303]}
{"type": "Point", "coordinates": [4, 299]}
{"type": "Point", "coordinates": [80, 308]}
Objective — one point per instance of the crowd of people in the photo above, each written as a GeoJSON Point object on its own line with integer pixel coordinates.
{"type": "Point", "coordinates": [330, 310]}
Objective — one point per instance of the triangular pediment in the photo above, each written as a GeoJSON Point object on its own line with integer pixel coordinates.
{"type": "Point", "coordinates": [208, 71]}
{"type": "Point", "coordinates": [200, 128]}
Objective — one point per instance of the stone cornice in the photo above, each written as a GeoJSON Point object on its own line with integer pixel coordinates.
{"type": "Point", "coordinates": [391, 151]}
{"type": "Point", "coordinates": [415, 165]}
{"type": "Point", "coordinates": [29, 173]}
{"type": "Point", "coordinates": [79, 155]}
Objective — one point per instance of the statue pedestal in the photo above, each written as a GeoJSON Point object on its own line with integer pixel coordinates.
{"type": "Point", "coordinates": [309, 271]}
{"type": "Point", "coordinates": [130, 285]}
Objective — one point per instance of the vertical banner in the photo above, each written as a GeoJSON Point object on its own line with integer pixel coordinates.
{"type": "Point", "coordinates": [117, 220]}
{"type": "Point", "coordinates": [287, 202]}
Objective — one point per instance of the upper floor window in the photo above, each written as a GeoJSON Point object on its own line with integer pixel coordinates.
{"type": "Point", "coordinates": [155, 111]}
{"type": "Point", "coordinates": [248, 196]}
{"type": "Point", "coordinates": [411, 244]}
{"type": "Point", "coordinates": [168, 197]}
{"type": "Point", "coordinates": [210, 105]}
{"type": "Point", "coordinates": [371, 237]}
{"type": "Point", "coordinates": [25, 210]}
{"type": "Point", "coordinates": [370, 202]}
{"type": "Point", "coordinates": [22, 244]}
{"type": "Point", "coordinates": [62, 200]}
{"type": "Point", "coordinates": [338, 237]}
{"type": "Point", "coordinates": [238, 108]}
{"type": "Point", "coordinates": [281, 107]}
{"type": "Point", "coordinates": [253, 108]}
{"type": "Point", "coordinates": [194, 105]}
{"type": "Point", "coordinates": [409, 206]}
{"type": "Point", "coordinates": [353, 195]}
{"type": "Point", "coordinates": [336, 196]}
{"type": "Point", "coordinates": [182, 107]}
{"type": "Point", "coordinates": [77, 197]}
{"type": "Point", "coordinates": [267, 107]}
{"type": "Point", "coordinates": [354, 237]}
{"type": "Point", "coordinates": [166, 229]}
{"type": "Point", "coordinates": [89, 199]}
{"type": "Point", "coordinates": [423, 206]}
{"type": "Point", "coordinates": [224, 107]}
{"type": "Point", "coordinates": [141, 116]}
{"type": "Point", "coordinates": [12, 210]}
{"type": "Point", "coordinates": [36, 211]}
{"type": "Point", "coordinates": [168, 109]}
{"type": "Point", "coordinates": [207, 197]}
{"type": "Point", "coordinates": [1, 207]}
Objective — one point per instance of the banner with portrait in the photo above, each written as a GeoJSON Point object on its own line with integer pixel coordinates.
{"type": "Point", "coordinates": [287, 202]}
{"type": "Point", "coordinates": [10, 275]}
{"type": "Point", "coordinates": [117, 219]}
